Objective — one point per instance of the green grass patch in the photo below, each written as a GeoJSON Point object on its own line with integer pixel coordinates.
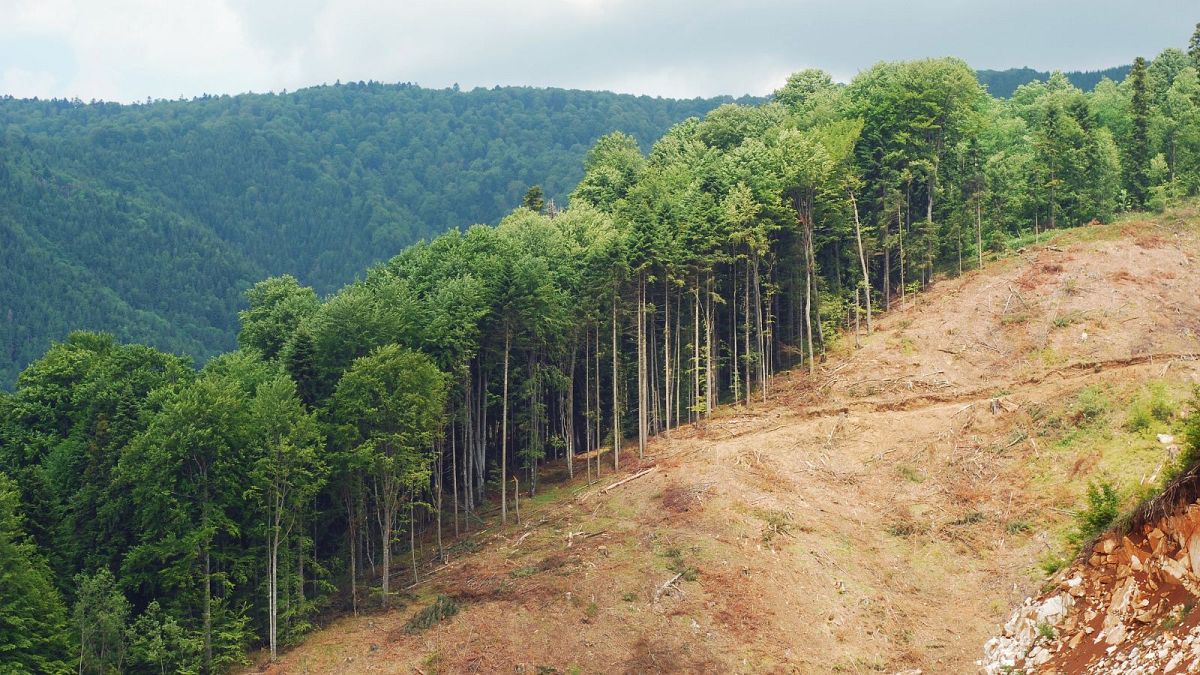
{"type": "Point", "coordinates": [522, 572]}
{"type": "Point", "coordinates": [1153, 407]}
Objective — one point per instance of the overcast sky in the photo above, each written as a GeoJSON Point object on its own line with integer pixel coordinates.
{"type": "Point", "coordinates": [127, 50]}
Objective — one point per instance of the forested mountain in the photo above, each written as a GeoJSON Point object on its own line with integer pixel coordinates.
{"type": "Point", "coordinates": [226, 507]}
{"type": "Point", "coordinates": [150, 220]}
{"type": "Point", "coordinates": [1002, 83]}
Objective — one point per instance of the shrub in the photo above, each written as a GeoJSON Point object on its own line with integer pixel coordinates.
{"type": "Point", "coordinates": [1091, 405]}
{"type": "Point", "coordinates": [1191, 434]}
{"type": "Point", "coordinates": [1052, 563]}
{"type": "Point", "coordinates": [1151, 406]}
{"type": "Point", "coordinates": [1103, 507]}
{"type": "Point", "coordinates": [443, 608]}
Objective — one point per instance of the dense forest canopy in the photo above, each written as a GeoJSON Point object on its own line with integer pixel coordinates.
{"type": "Point", "coordinates": [149, 221]}
{"type": "Point", "coordinates": [1002, 83]}
{"type": "Point", "coordinates": [188, 515]}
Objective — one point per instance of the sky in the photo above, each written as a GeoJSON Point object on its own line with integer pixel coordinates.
{"type": "Point", "coordinates": [129, 50]}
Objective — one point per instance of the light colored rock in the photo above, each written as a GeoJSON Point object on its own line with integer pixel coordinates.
{"type": "Point", "coordinates": [1115, 635]}
{"type": "Point", "coordinates": [1166, 439]}
{"type": "Point", "coordinates": [1174, 570]}
{"type": "Point", "coordinates": [1193, 549]}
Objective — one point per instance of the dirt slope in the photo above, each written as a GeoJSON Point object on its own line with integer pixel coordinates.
{"type": "Point", "coordinates": [882, 514]}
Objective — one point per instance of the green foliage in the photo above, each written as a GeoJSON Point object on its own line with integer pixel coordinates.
{"type": "Point", "coordinates": [149, 220]}
{"type": "Point", "coordinates": [1151, 406]}
{"type": "Point", "coordinates": [1002, 83]}
{"type": "Point", "coordinates": [1052, 563]}
{"type": "Point", "coordinates": [442, 608]}
{"type": "Point", "coordinates": [1091, 405]}
{"type": "Point", "coordinates": [1191, 435]}
{"type": "Point", "coordinates": [101, 614]}
{"type": "Point", "coordinates": [33, 627]}
{"type": "Point", "coordinates": [226, 501]}
{"type": "Point", "coordinates": [1101, 511]}
{"type": "Point", "coordinates": [158, 644]}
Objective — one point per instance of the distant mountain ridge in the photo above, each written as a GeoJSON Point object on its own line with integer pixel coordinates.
{"type": "Point", "coordinates": [149, 220]}
{"type": "Point", "coordinates": [1002, 83]}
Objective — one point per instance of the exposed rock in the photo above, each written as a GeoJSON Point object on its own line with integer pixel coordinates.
{"type": "Point", "coordinates": [1121, 611]}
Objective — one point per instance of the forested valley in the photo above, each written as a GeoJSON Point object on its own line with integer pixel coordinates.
{"type": "Point", "coordinates": [155, 517]}
{"type": "Point", "coordinates": [149, 221]}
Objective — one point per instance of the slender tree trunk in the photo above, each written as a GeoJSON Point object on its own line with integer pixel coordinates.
{"type": "Point", "coordinates": [616, 407]}
{"type": "Point", "coordinates": [759, 328]}
{"type": "Point", "coordinates": [862, 259]}
{"type": "Point", "coordinates": [746, 353]}
{"type": "Point", "coordinates": [504, 433]}
{"type": "Point", "coordinates": [386, 516]}
{"type": "Point", "coordinates": [440, 481]}
{"type": "Point", "coordinates": [352, 531]}
{"type": "Point", "coordinates": [587, 401]}
{"type": "Point", "coordinates": [903, 290]}
{"type": "Point", "coordinates": [599, 413]}
{"type": "Point", "coordinates": [667, 350]}
{"type": "Point", "coordinates": [736, 379]}
{"type": "Point", "coordinates": [979, 233]}
{"type": "Point", "coordinates": [412, 540]}
{"type": "Point", "coordinates": [641, 355]}
{"type": "Point", "coordinates": [454, 476]}
{"type": "Point", "coordinates": [696, 351]}
{"type": "Point", "coordinates": [569, 411]}
{"type": "Point", "coordinates": [207, 580]}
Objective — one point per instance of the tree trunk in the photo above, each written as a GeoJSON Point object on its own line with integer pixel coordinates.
{"type": "Point", "coordinates": [979, 233]}
{"type": "Point", "coordinates": [667, 351]}
{"type": "Point", "coordinates": [862, 259]}
{"type": "Point", "coordinates": [616, 406]}
{"type": "Point", "coordinates": [386, 516]}
{"type": "Point", "coordinates": [207, 580]}
{"type": "Point", "coordinates": [504, 432]}
{"type": "Point", "coordinates": [641, 368]}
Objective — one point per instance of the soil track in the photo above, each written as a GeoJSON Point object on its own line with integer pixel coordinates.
{"type": "Point", "coordinates": [882, 513]}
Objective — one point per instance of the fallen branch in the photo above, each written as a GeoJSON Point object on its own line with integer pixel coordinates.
{"type": "Point", "coordinates": [663, 589]}
{"type": "Point", "coordinates": [626, 480]}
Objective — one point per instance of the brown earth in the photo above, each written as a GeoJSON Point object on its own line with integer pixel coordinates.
{"type": "Point", "coordinates": [881, 514]}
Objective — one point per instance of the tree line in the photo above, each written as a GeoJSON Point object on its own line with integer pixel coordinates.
{"type": "Point", "coordinates": [188, 515]}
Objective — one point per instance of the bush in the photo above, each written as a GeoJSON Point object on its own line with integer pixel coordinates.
{"type": "Point", "coordinates": [1191, 434]}
{"type": "Point", "coordinates": [1151, 406]}
{"type": "Point", "coordinates": [1103, 507]}
{"type": "Point", "coordinates": [1091, 405]}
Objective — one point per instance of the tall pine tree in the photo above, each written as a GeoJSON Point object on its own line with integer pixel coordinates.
{"type": "Point", "coordinates": [1138, 168]}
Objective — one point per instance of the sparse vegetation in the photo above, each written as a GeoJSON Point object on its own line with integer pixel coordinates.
{"type": "Point", "coordinates": [1152, 405]}
{"type": "Point", "coordinates": [676, 564]}
{"type": "Point", "coordinates": [1052, 563]}
{"type": "Point", "coordinates": [1177, 615]}
{"type": "Point", "coordinates": [1017, 527]}
{"type": "Point", "coordinates": [442, 608]}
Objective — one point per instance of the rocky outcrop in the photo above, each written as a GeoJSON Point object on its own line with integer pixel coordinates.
{"type": "Point", "coordinates": [1127, 608]}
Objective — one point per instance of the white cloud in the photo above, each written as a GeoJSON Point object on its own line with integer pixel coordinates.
{"type": "Point", "coordinates": [130, 49]}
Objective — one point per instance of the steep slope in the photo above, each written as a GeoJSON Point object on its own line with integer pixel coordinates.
{"type": "Point", "coordinates": [882, 513]}
{"type": "Point", "coordinates": [166, 211]}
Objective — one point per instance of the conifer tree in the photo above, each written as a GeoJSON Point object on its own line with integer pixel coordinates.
{"type": "Point", "coordinates": [1138, 161]}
